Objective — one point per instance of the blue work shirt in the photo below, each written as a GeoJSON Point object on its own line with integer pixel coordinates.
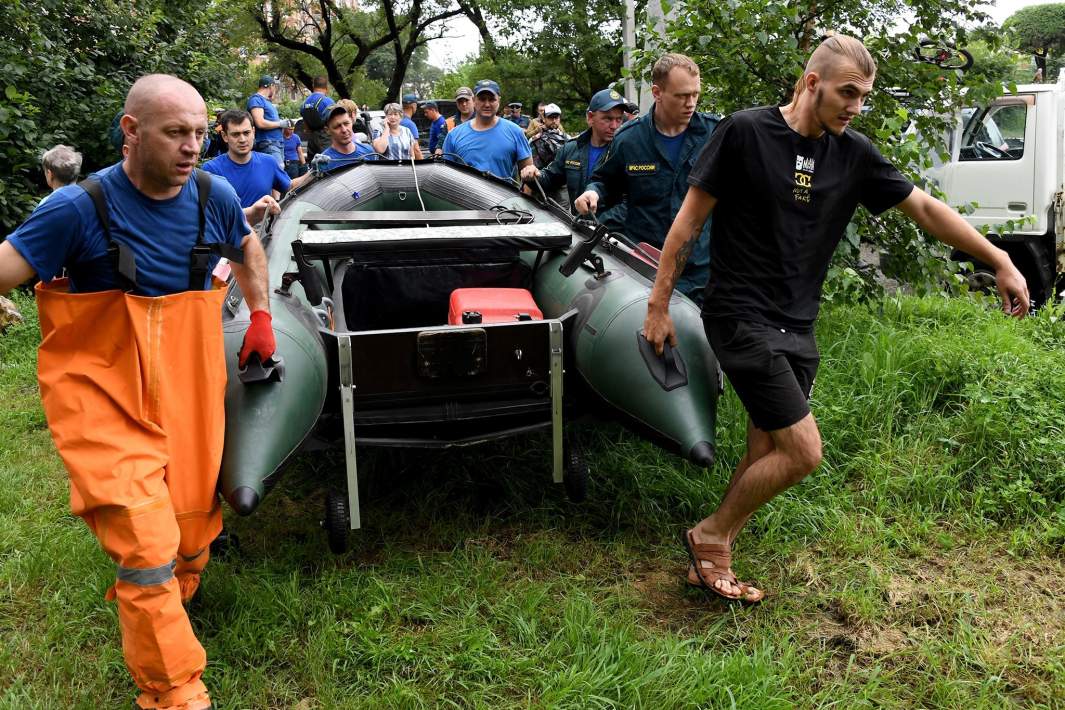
{"type": "Point", "coordinates": [594, 155]}
{"type": "Point", "coordinates": [411, 126]}
{"type": "Point", "coordinates": [323, 103]}
{"type": "Point", "coordinates": [497, 150]}
{"type": "Point", "coordinates": [638, 172]}
{"type": "Point", "coordinates": [270, 114]}
{"type": "Point", "coordinates": [339, 160]}
{"type": "Point", "coordinates": [435, 129]}
{"type": "Point", "coordinates": [671, 145]}
{"type": "Point", "coordinates": [253, 179]}
{"type": "Point", "coordinates": [292, 144]}
{"type": "Point", "coordinates": [65, 232]}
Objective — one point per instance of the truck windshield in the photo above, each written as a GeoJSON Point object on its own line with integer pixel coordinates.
{"type": "Point", "coordinates": [995, 132]}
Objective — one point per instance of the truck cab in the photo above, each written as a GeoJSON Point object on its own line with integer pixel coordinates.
{"type": "Point", "coordinates": [1007, 158]}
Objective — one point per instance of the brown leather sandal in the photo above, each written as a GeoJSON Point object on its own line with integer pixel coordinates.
{"type": "Point", "coordinates": [720, 556]}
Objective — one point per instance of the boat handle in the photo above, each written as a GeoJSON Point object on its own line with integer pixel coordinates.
{"type": "Point", "coordinates": [256, 370]}
{"type": "Point", "coordinates": [667, 369]}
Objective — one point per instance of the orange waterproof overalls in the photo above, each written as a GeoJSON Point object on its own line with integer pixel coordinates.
{"type": "Point", "coordinates": [134, 391]}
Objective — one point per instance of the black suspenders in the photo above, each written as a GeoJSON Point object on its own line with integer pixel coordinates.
{"type": "Point", "coordinates": [121, 256]}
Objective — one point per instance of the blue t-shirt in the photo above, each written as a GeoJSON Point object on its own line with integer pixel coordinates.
{"type": "Point", "coordinates": [671, 145]}
{"type": "Point", "coordinates": [253, 179]}
{"type": "Point", "coordinates": [594, 154]}
{"type": "Point", "coordinates": [406, 121]}
{"type": "Point", "coordinates": [323, 102]}
{"type": "Point", "coordinates": [291, 144]}
{"type": "Point", "coordinates": [496, 150]}
{"type": "Point", "coordinates": [64, 231]}
{"type": "Point", "coordinates": [434, 132]}
{"type": "Point", "coordinates": [340, 160]}
{"type": "Point", "coordinates": [270, 114]}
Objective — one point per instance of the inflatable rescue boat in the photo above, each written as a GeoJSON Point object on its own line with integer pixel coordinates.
{"type": "Point", "coordinates": [427, 304]}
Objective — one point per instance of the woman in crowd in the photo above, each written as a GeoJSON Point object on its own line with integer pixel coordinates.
{"type": "Point", "coordinates": [396, 142]}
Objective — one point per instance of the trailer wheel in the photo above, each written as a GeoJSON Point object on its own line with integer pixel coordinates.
{"type": "Point", "coordinates": [983, 281]}
{"type": "Point", "coordinates": [337, 524]}
{"type": "Point", "coordinates": [575, 475]}
{"type": "Point", "coordinates": [224, 545]}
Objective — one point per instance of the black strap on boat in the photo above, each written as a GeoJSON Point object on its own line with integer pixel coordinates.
{"type": "Point", "coordinates": [120, 255]}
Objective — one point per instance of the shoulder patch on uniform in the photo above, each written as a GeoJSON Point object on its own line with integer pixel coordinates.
{"type": "Point", "coordinates": [641, 168]}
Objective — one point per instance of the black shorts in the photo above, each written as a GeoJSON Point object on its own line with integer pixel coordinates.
{"type": "Point", "coordinates": [772, 370]}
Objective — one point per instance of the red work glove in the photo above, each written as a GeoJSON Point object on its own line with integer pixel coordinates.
{"type": "Point", "coordinates": [259, 338]}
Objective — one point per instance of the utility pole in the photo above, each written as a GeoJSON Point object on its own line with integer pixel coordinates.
{"type": "Point", "coordinates": [655, 42]}
{"type": "Point", "coordinates": [629, 42]}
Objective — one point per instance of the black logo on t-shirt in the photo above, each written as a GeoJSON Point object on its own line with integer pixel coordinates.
{"type": "Point", "coordinates": [804, 178]}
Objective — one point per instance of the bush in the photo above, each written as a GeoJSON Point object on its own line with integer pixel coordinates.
{"type": "Point", "coordinates": [68, 65]}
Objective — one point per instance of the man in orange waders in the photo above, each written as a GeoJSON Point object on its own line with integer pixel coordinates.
{"type": "Point", "coordinates": [132, 369]}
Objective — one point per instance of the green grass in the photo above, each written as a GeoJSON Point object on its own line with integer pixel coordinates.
{"type": "Point", "coordinates": [921, 566]}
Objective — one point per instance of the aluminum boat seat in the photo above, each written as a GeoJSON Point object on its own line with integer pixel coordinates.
{"type": "Point", "coordinates": [403, 277]}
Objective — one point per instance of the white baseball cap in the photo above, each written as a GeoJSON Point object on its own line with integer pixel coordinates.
{"type": "Point", "coordinates": [552, 110]}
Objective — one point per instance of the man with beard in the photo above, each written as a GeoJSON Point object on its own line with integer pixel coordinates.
{"type": "Point", "coordinates": [343, 149]}
{"type": "Point", "coordinates": [783, 183]}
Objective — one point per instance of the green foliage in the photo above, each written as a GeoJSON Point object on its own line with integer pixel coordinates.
{"type": "Point", "coordinates": [993, 62]}
{"type": "Point", "coordinates": [562, 52]}
{"type": "Point", "coordinates": [68, 64]}
{"type": "Point", "coordinates": [917, 568]}
{"type": "Point", "coordinates": [1040, 28]}
{"type": "Point", "coordinates": [751, 52]}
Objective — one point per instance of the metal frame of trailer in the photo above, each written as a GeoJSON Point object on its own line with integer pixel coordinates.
{"type": "Point", "coordinates": [442, 353]}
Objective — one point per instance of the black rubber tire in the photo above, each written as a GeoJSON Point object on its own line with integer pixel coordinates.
{"type": "Point", "coordinates": [337, 524]}
{"type": "Point", "coordinates": [943, 55]}
{"type": "Point", "coordinates": [575, 475]}
{"type": "Point", "coordinates": [224, 545]}
{"type": "Point", "coordinates": [984, 281]}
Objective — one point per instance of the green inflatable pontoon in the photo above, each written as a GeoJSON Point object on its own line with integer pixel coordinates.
{"type": "Point", "coordinates": [364, 264]}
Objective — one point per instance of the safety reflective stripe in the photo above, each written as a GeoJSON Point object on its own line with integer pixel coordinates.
{"type": "Point", "coordinates": [147, 577]}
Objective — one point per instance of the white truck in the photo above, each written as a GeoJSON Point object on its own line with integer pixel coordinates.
{"type": "Point", "coordinates": [1008, 158]}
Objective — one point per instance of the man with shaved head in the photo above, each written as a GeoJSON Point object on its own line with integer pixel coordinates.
{"type": "Point", "coordinates": [783, 183]}
{"type": "Point", "coordinates": [132, 369]}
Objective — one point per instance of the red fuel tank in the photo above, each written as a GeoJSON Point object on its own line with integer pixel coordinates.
{"type": "Point", "coordinates": [491, 305]}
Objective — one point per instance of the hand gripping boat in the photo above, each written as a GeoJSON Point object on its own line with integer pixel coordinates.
{"type": "Point", "coordinates": [401, 303]}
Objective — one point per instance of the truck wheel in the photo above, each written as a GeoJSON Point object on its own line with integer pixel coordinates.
{"type": "Point", "coordinates": [337, 524]}
{"type": "Point", "coordinates": [983, 281]}
{"type": "Point", "coordinates": [575, 476]}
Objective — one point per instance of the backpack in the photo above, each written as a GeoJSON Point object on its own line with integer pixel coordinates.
{"type": "Point", "coordinates": [546, 146]}
{"type": "Point", "coordinates": [312, 115]}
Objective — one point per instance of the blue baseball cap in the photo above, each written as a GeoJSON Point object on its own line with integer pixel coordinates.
{"type": "Point", "coordinates": [605, 100]}
{"type": "Point", "coordinates": [486, 85]}
{"type": "Point", "coordinates": [410, 98]}
{"type": "Point", "coordinates": [266, 80]}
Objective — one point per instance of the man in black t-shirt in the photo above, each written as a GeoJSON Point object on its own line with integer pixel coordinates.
{"type": "Point", "coordinates": [783, 182]}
